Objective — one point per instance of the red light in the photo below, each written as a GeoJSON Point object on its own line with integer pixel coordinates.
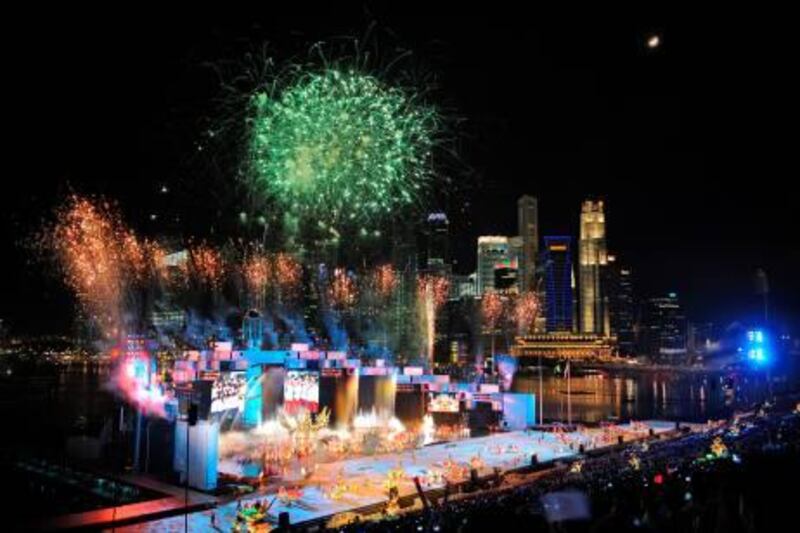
{"type": "Point", "coordinates": [658, 479]}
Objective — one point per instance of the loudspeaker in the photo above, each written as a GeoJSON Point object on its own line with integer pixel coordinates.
{"type": "Point", "coordinates": [283, 521]}
{"type": "Point", "coordinates": [193, 412]}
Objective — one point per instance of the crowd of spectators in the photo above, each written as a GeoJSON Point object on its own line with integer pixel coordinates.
{"type": "Point", "coordinates": [733, 477]}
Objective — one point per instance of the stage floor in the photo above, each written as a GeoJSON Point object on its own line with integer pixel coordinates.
{"type": "Point", "coordinates": [366, 476]}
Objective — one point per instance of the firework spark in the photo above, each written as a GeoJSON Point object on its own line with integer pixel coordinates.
{"type": "Point", "coordinates": [491, 309]}
{"type": "Point", "coordinates": [206, 265]}
{"type": "Point", "coordinates": [101, 260]}
{"type": "Point", "coordinates": [435, 288]}
{"type": "Point", "coordinates": [525, 311]}
{"type": "Point", "coordinates": [384, 281]}
{"type": "Point", "coordinates": [342, 291]}
{"type": "Point", "coordinates": [341, 148]}
{"type": "Point", "coordinates": [135, 256]}
{"type": "Point", "coordinates": [256, 271]}
{"type": "Point", "coordinates": [86, 240]}
{"type": "Point", "coordinates": [157, 257]}
{"type": "Point", "coordinates": [287, 273]}
{"type": "Point", "coordinates": [432, 292]}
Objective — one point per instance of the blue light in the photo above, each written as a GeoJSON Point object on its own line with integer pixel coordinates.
{"type": "Point", "coordinates": [757, 349]}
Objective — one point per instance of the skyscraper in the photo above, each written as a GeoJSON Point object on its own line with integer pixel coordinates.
{"type": "Point", "coordinates": [593, 257]}
{"type": "Point", "coordinates": [513, 267]}
{"type": "Point", "coordinates": [621, 306]}
{"type": "Point", "coordinates": [558, 283]}
{"type": "Point", "coordinates": [665, 329]}
{"type": "Point", "coordinates": [493, 250]}
{"type": "Point", "coordinates": [528, 227]}
{"type": "Point", "coordinates": [437, 232]}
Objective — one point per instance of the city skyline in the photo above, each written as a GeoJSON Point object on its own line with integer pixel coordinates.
{"type": "Point", "coordinates": [583, 144]}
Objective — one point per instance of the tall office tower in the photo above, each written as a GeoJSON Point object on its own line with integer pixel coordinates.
{"type": "Point", "coordinates": [665, 329]}
{"type": "Point", "coordinates": [493, 251]}
{"type": "Point", "coordinates": [558, 283]}
{"type": "Point", "coordinates": [593, 257]}
{"type": "Point", "coordinates": [621, 308]}
{"type": "Point", "coordinates": [437, 233]}
{"type": "Point", "coordinates": [528, 227]}
{"type": "Point", "coordinates": [512, 269]}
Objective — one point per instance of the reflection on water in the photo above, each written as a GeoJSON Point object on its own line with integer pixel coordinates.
{"type": "Point", "coordinates": [603, 395]}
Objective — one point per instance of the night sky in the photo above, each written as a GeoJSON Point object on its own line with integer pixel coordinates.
{"type": "Point", "coordinates": [683, 142]}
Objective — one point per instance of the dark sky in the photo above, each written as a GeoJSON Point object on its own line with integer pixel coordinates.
{"type": "Point", "coordinates": [683, 143]}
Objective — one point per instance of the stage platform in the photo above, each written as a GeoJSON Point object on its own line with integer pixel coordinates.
{"type": "Point", "coordinates": [366, 476]}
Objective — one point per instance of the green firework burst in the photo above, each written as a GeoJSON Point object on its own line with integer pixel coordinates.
{"type": "Point", "coordinates": [341, 149]}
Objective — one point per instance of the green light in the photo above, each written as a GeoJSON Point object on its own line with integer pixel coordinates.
{"type": "Point", "coordinates": [341, 148]}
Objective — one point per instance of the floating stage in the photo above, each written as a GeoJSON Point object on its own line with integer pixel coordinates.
{"type": "Point", "coordinates": [360, 484]}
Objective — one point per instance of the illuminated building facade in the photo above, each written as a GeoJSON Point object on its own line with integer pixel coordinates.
{"type": "Point", "coordinates": [702, 338]}
{"type": "Point", "coordinates": [592, 258]}
{"type": "Point", "coordinates": [565, 346]}
{"type": "Point", "coordinates": [621, 305]}
{"type": "Point", "coordinates": [437, 232]}
{"type": "Point", "coordinates": [664, 334]}
{"type": "Point", "coordinates": [493, 253]}
{"type": "Point", "coordinates": [528, 228]}
{"type": "Point", "coordinates": [558, 283]}
{"type": "Point", "coordinates": [462, 286]}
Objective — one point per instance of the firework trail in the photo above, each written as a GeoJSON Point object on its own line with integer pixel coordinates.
{"type": "Point", "coordinates": [432, 292]}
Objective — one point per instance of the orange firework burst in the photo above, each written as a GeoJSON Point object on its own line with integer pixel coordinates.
{"type": "Point", "coordinates": [384, 281]}
{"type": "Point", "coordinates": [86, 240]}
{"type": "Point", "coordinates": [287, 272]}
{"type": "Point", "coordinates": [342, 290]}
{"type": "Point", "coordinates": [157, 259]}
{"type": "Point", "coordinates": [256, 271]}
{"type": "Point", "coordinates": [491, 309]}
{"type": "Point", "coordinates": [207, 266]}
{"type": "Point", "coordinates": [435, 287]}
{"type": "Point", "coordinates": [135, 256]}
{"type": "Point", "coordinates": [525, 311]}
